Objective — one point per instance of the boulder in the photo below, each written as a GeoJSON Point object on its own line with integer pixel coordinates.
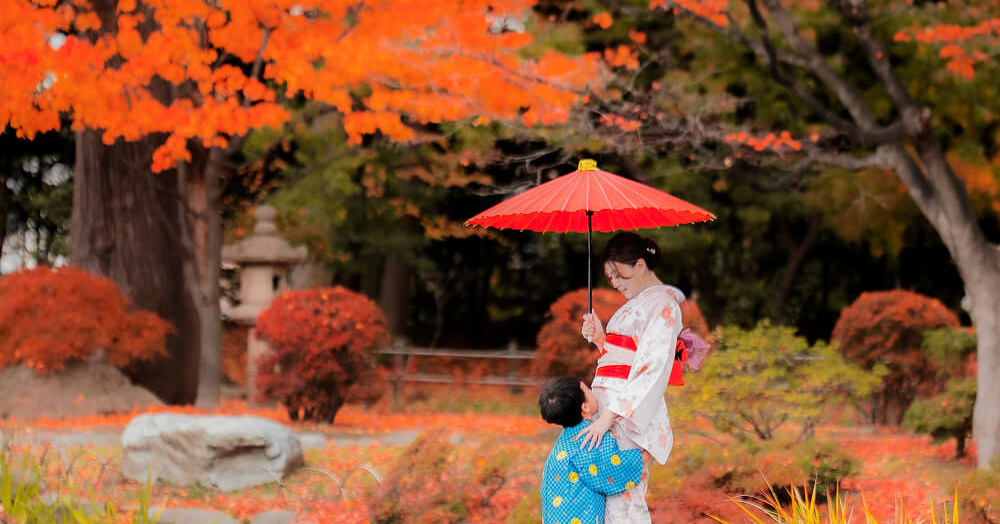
{"type": "Point", "coordinates": [189, 516]}
{"type": "Point", "coordinates": [223, 452]}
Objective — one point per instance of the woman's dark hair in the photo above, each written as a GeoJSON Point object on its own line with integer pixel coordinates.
{"type": "Point", "coordinates": [561, 402]}
{"type": "Point", "coordinates": [628, 248]}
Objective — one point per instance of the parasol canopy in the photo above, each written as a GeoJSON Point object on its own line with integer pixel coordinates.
{"type": "Point", "coordinates": [589, 199]}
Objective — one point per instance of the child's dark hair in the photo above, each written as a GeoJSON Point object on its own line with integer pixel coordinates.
{"type": "Point", "coordinates": [561, 402]}
{"type": "Point", "coordinates": [627, 247]}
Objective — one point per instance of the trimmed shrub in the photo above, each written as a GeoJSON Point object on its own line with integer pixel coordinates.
{"type": "Point", "coordinates": [322, 351]}
{"type": "Point", "coordinates": [51, 317]}
{"type": "Point", "coordinates": [561, 349]}
{"type": "Point", "coordinates": [694, 319]}
{"type": "Point", "coordinates": [761, 379]}
{"type": "Point", "coordinates": [887, 327]}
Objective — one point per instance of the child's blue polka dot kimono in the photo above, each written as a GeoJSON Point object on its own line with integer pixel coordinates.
{"type": "Point", "coordinates": [576, 481]}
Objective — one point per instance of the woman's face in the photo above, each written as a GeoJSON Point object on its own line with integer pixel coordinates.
{"type": "Point", "coordinates": [622, 276]}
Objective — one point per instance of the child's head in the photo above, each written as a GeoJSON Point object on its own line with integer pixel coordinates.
{"type": "Point", "coordinates": [567, 401]}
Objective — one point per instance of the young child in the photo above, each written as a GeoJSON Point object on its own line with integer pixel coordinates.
{"type": "Point", "coordinates": [575, 481]}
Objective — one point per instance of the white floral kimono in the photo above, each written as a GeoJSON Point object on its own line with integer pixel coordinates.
{"type": "Point", "coordinates": [631, 380]}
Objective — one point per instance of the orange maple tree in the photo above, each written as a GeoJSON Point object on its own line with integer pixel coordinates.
{"type": "Point", "coordinates": [53, 317]}
{"type": "Point", "coordinates": [384, 65]}
{"type": "Point", "coordinates": [192, 78]}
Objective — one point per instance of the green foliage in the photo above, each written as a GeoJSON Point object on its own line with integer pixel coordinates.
{"type": "Point", "coordinates": [760, 379]}
{"type": "Point", "coordinates": [946, 415]}
{"type": "Point", "coordinates": [981, 491]}
{"type": "Point", "coordinates": [749, 466]}
{"type": "Point", "coordinates": [21, 498]}
{"type": "Point", "coordinates": [529, 510]}
{"type": "Point", "coordinates": [20, 486]}
{"type": "Point", "coordinates": [951, 348]}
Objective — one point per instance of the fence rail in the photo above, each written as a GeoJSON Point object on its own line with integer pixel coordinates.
{"type": "Point", "coordinates": [401, 355]}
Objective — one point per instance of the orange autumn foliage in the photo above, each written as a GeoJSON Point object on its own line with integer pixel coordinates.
{"type": "Point", "coordinates": [52, 317]}
{"type": "Point", "coordinates": [322, 350]}
{"type": "Point", "coordinates": [561, 350]}
{"type": "Point", "coordinates": [694, 319]}
{"type": "Point", "coordinates": [383, 65]}
{"type": "Point", "coordinates": [887, 328]}
{"type": "Point", "coordinates": [958, 43]}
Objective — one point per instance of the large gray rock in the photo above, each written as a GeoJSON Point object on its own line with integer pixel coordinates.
{"type": "Point", "coordinates": [189, 516]}
{"type": "Point", "coordinates": [224, 452]}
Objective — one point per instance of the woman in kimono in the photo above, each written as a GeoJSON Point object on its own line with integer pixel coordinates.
{"type": "Point", "coordinates": [637, 353]}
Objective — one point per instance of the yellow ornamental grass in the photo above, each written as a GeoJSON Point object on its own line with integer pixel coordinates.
{"type": "Point", "coordinates": [803, 509]}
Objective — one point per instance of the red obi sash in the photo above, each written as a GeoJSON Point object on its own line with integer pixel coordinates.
{"type": "Point", "coordinates": [623, 370]}
{"type": "Point", "coordinates": [620, 340]}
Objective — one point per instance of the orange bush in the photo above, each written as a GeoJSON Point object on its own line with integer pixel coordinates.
{"type": "Point", "coordinates": [322, 342]}
{"type": "Point", "coordinates": [561, 350]}
{"type": "Point", "coordinates": [52, 317]}
{"type": "Point", "coordinates": [694, 320]}
{"type": "Point", "coordinates": [234, 352]}
{"type": "Point", "coordinates": [887, 327]}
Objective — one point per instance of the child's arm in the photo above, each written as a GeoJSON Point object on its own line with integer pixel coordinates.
{"type": "Point", "coordinates": [607, 469]}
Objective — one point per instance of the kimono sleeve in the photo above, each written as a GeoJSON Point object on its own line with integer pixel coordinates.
{"type": "Point", "coordinates": [607, 469]}
{"type": "Point", "coordinates": [647, 382]}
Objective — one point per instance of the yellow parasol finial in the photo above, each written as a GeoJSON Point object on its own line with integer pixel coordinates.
{"type": "Point", "coordinates": [587, 165]}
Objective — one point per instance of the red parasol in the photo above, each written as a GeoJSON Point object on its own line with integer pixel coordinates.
{"type": "Point", "coordinates": [589, 199]}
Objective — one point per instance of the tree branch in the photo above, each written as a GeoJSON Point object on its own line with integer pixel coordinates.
{"type": "Point", "coordinates": [815, 63]}
{"type": "Point", "coordinates": [878, 58]}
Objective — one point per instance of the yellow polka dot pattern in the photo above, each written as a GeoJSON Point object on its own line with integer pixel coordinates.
{"type": "Point", "coordinates": [616, 460]}
{"type": "Point", "coordinates": [593, 469]}
{"type": "Point", "coordinates": [630, 485]}
{"type": "Point", "coordinates": [575, 521]}
{"type": "Point", "coordinates": [573, 477]}
{"type": "Point", "coordinates": [556, 502]}
{"type": "Point", "coordinates": [561, 455]}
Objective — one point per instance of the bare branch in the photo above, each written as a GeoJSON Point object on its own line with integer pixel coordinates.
{"type": "Point", "coordinates": [845, 92]}
{"type": "Point", "coordinates": [878, 57]}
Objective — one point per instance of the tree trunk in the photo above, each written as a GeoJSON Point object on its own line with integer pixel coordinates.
{"type": "Point", "coordinates": [124, 227]}
{"type": "Point", "coordinates": [982, 285]}
{"type": "Point", "coordinates": [394, 297]}
{"type": "Point", "coordinates": [943, 199]}
{"type": "Point", "coordinates": [4, 198]}
{"type": "Point", "coordinates": [201, 214]}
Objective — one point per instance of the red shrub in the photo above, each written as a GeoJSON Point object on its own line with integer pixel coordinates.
{"type": "Point", "coordinates": [694, 320]}
{"type": "Point", "coordinates": [887, 327]}
{"type": "Point", "coordinates": [322, 342]}
{"type": "Point", "coordinates": [52, 317]}
{"type": "Point", "coordinates": [234, 352]}
{"type": "Point", "coordinates": [563, 352]}
{"type": "Point", "coordinates": [561, 349]}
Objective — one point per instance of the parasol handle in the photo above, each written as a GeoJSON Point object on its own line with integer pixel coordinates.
{"type": "Point", "coordinates": [590, 272]}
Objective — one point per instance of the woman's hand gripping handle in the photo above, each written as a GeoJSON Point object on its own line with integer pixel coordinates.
{"type": "Point", "coordinates": [592, 329]}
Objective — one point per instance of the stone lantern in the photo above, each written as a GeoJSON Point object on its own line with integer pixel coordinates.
{"type": "Point", "coordinates": [265, 260]}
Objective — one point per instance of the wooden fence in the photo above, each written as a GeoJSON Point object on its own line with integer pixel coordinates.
{"type": "Point", "coordinates": [401, 355]}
